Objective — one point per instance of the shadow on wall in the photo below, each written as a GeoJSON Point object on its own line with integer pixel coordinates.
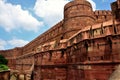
{"type": "Point", "coordinates": [5, 75]}
{"type": "Point", "coordinates": [116, 74]}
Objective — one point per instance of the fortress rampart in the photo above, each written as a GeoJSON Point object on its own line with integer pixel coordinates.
{"type": "Point", "coordinates": [83, 46]}
{"type": "Point", "coordinates": [102, 15]}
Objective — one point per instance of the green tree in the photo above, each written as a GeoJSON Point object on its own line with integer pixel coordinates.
{"type": "Point", "coordinates": [3, 63]}
{"type": "Point", "coordinates": [3, 60]}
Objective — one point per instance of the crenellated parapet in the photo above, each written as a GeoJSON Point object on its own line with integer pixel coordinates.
{"type": "Point", "coordinates": [102, 15]}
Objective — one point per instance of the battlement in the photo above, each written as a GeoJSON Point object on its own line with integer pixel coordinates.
{"type": "Point", "coordinates": [103, 12]}
{"type": "Point", "coordinates": [102, 15]}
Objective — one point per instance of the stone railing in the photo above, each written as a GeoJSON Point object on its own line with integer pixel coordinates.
{"type": "Point", "coordinates": [5, 75]}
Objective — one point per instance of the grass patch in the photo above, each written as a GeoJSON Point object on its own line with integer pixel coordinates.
{"type": "Point", "coordinates": [3, 67]}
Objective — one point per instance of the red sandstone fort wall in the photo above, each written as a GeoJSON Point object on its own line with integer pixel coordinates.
{"type": "Point", "coordinates": [63, 29]}
{"type": "Point", "coordinates": [24, 62]}
{"type": "Point", "coordinates": [94, 52]}
{"type": "Point", "coordinates": [118, 1]}
{"type": "Point", "coordinates": [12, 53]}
{"type": "Point", "coordinates": [102, 15]}
{"type": "Point", "coordinates": [53, 34]}
{"type": "Point", "coordinates": [11, 56]}
{"type": "Point", "coordinates": [51, 64]}
{"type": "Point", "coordinates": [91, 54]}
{"type": "Point", "coordinates": [88, 57]}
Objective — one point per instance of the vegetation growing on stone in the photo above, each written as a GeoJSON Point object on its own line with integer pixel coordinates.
{"type": "Point", "coordinates": [3, 63]}
{"type": "Point", "coordinates": [3, 67]}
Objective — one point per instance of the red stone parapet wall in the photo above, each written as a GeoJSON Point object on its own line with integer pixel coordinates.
{"type": "Point", "coordinates": [54, 33]}
{"type": "Point", "coordinates": [24, 62]}
{"type": "Point", "coordinates": [11, 52]}
{"type": "Point", "coordinates": [11, 55]}
{"type": "Point", "coordinates": [102, 15]}
{"type": "Point", "coordinates": [118, 1]}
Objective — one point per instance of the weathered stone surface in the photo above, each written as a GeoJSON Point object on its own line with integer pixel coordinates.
{"type": "Point", "coordinates": [116, 74]}
{"type": "Point", "coordinates": [5, 75]}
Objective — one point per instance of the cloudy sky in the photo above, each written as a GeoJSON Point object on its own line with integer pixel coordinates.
{"type": "Point", "coordinates": [23, 20]}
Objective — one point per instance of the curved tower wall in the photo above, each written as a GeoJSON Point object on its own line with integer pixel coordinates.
{"type": "Point", "coordinates": [118, 1]}
{"type": "Point", "coordinates": [77, 15]}
{"type": "Point", "coordinates": [116, 9]}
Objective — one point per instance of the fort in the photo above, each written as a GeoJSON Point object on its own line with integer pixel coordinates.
{"type": "Point", "coordinates": [85, 45]}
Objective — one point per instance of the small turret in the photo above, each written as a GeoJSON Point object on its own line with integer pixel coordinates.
{"type": "Point", "coordinates": [118, 2]}
{"type": "Point", "coordinates": [116, 9]}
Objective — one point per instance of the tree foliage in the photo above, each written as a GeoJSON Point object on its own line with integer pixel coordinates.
{"type": "Point", "coordinates": [3, 63]}
{"type": "Point", "coordinates": [3, 60]}
{"type": "Point", "coordinates": [3, 67]}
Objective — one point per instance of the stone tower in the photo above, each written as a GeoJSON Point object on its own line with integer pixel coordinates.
{"type": "Point", "coordinates": [77, 15]}
{"type": "Point", "coordinates": [116, 9]}
{"type": "Point", "coordinates": [118, 1]}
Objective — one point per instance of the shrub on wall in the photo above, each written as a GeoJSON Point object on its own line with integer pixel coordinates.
{"type": "Point", "coordinates": [3, 63]}
{"type": "Point", "coordinates": [3, 67]}
{"type": "Point", "coordinates": [3, 60]}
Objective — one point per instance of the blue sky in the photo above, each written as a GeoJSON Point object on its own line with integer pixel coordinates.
{"type": "Point", "coordinates": [23, 20]}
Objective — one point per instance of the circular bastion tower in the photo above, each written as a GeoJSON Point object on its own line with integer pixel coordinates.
{"type": "Point", "coordinates": [77, 15]}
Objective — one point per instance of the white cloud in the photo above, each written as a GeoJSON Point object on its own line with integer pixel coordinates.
{"type": "Point", "coordinates": [93, 4]}
{"type": "Point", "coordinates": [14, 17]}
{"type": "Point", "coordinates": [104, 0]}
{"type": "Point", "coordinates": [9, 44]}
{"type": "Point", "coordinates": [2, 44]}
{"type": "Point", "coordinates": [50, 10]}
{"type": "Point", "coordinates": [17, 42]}
{"type": "Point", "coordinates": [108, 0]}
